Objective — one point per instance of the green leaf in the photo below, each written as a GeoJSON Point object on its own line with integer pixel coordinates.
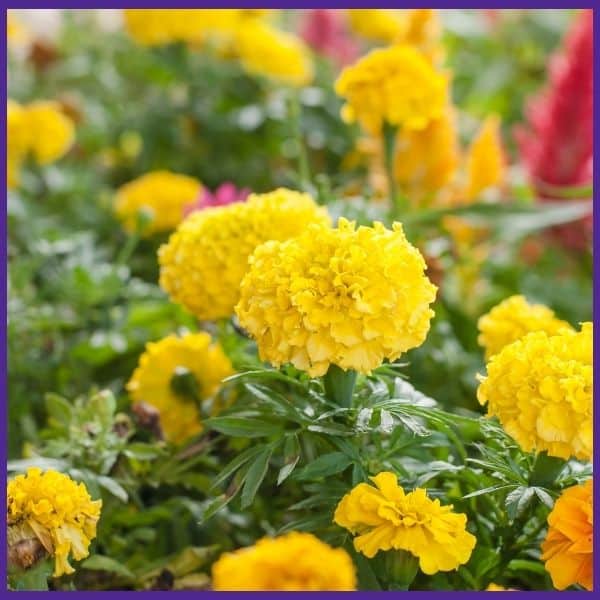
{"type": "Point", "coordinates": [141, 451]}
{"type": "Point", "coordinates": [325, 465]}
{"type": "Point", "coordinates": [59, 410]}
{"type": "Point", "coordinates": [215, 505]}
{"type": "Point", "coordinates": [256, 474]}
{"type": "Point", "coordinates": [243, 426]}
{"type": "Point", "coordinates": [527, 565]}
{"type": "Point", "coordinates": [291, 453]}
{"type": "Point", "coordinates": [98, 562]}
{"type": "Point", "coordinates": [235, 464]}
{"type": "Point", "coordinates": [307, 524]}
{"type": "Point", "coordinates": [287, 470]}
{"type": "Point", "coordinates": [115, 488]}
{"type": "Point", "coordinates": [33, 579]}
{"type": "Point", "coordinates": [518, 500]}
{"type": "Point", "coordinates": [488, 490]}
{"type": "Point", "coordinates": [544, 496]}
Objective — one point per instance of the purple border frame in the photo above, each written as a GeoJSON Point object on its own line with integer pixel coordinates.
{"type": "Point", "coordinates": [544, 4]}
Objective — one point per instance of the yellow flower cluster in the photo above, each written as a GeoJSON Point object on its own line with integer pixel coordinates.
{"type": "Point", "coordinates": [40, 129]}
{"type": "Point", "coordinates": [265, 50]}
{"type": "Point", "coordinates": [568, 547]}
{"type": "Point", "coordinates": [397, 85]}
{"type": "Point", "coordinates": [54, 509]}
{"type": "Point", "coordinates": [540, 387]}
{"type": "Point", "coordinates": [157, 27]}
{"type": "Point", "coordinates": [379, 25]}
{"type": "Point", "coordinates": [203, 263]}
{"type": "Point", "coordinates": [385, 518]}
{"type": "Point", "coordinates": [292, 562]}
{"type": "Point", "coordinates": [175, 375]}
{"type": "Point", "coordinates": [512, 319]}
{"type": "Point", "coordinates": [162, 195]}
{"type": "Point", "coordinates": [346, 296]}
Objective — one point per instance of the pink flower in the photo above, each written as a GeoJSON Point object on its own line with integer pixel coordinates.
{"type": "Point", "coordinates": [225, 194]}
{"type": "Point", "coordinates": [325, 31]}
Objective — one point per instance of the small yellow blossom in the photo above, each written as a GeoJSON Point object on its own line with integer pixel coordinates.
{"type": "Point", "coordinates": [540, 388]}
{"type": "Point", "coordinates": [511, 320]}
{"type": "Point", "coordinates": [385, 517]}
{"type": "Point", "coordinates": [346, 296]}
{"type": "Point", "coordinates": [485, 159]}
{"type": "Point", "coordinates": [292, 562]}
{"type": "Point", "coordinates": [396, 85]}
{"type": "Point", "coordinates": [378, 25]}
{"type": "Point", "coordinates": [265, 50]}
{"type": "Point", "coordinates": [54, 509]}
{"type": "Point", "coordinates": [175, 375]}
{"type": "Point", "coordinates": [568, 549]}
{"type": "Point", "coordinates": [424, 32]}
{"type": "Point", "coordinates": [203, 263]}
{"type": "Point", "coordinates": [161, 194]}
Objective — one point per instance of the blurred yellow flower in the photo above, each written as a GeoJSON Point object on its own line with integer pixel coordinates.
{"type": "Point", "coordinates": [346, 296]}
{"type": "Point", "coordinates": [379, 25]}
{"type": "Point", "coordinates": [540, 388]}
{"type": "Point", "coordinates": [396, 85]}
{"type": "Point", "coordinates": [53, 509]}
{"type": "Point", "coordinates": [265, 50]}
{"type": "Point", "coordinates": [385, 517]}
{"type": "Point", "coordinates": [511, 320]}
{"type": "Point", "coordinates": [292, 562]}
{"type": "Point", "coordinates": [485, 160]}
{"type": "Point", "coordinates": [177, 374]}
{"type": "Point", "coordinates": [203, 263]}
{"type": "Point", "coordinates": [568, 549]}
{"type": "Point", "coordinates": [424, 32]}
{"type": "Point", "coordinates": [162, 195]}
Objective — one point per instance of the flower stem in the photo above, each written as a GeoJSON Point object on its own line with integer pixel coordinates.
{"type": "Point", "coordinates": [545, 470]}
{"type": "Point", "coordinates": [339, 385]}
{"type": "Point", "coordinates": [389, 147]}
{"type": "Point", "coordinates": [295, 112]}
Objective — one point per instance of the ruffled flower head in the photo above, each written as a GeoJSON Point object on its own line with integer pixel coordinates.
{"type": "Point", "coordinates": [53, 509]}
{"type": "Point", "coordinates": [347, 296]}
{"type": "Point", "coordinates": [292, 562]}
{"type": "Point", "coordinates": [540, 388]}
{"type": "Point", "coordinates": [386, 518]}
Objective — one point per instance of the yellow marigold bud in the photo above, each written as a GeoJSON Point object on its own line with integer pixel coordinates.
{"type": "Point", "coordinates": [265, 50]}
{"type": "Point", "coordinates": [568, 547]}
{"type": "Point", "coordinates": [205, 259]}
{"type": "Point", "coordinates": [485, 159]}
{"type": "Point", "coordinates": [175, 375]}
{"type": "Point", "coordinates": [346, 296]}
{"type": "Point", "coordinates": [292, 562]}
{"type": "Point", "coordinates": [53, 509]}
{"type": "Point", "coordinates": [512, 319]}
{"type": "Point", "coordinates": [378, 25]}
{"type": "Point", "coordinates": [396, 85]}
{"type": "Point", "coordinates": [385, 518]}
{"type": "Point", "coordinates": [161, 194]}
{"type": "Point", "coordinates": [540, 387]}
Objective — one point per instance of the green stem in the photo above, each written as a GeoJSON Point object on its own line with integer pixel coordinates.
{"type": "Point", "coordinates": [128, 248]}
{"type": "Point", "coordinates": [389, 147]}
{"type": "Point", "coordinates": [545, 470]}
{"type": "Point", "coordinates": [339, 385]}
{"type": "Point", "coordinates": [295, 112]}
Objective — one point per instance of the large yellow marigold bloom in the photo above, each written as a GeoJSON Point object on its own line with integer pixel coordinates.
{"type": "Point", "coordinates": [53, 509]}
{"type": "Point", "coordinates": [162, 194]}
{"type": "Point", "coordinates": [397, 85]}
{"type": "Point", "coordinates": [292, 562]}
{"type": "Point", "coordinates": [265, 50]}
{"type": "Point", "coordinates": [568, 547]}
{"type": "Point", "coordinates": [540, 387]}
{"type": "Point", "coordinates": [511, 320]}
{"type": "Point", "coordinates": [485, 163]}
{"type": "Point", "coordinates": [175, 375]}
{"type": "Point", "coordinates": [385, 518]}
{"type": "Point", "coordinates": [346, 296]}
{"type": "Point", "coordinates": [205, 259]}
{"type": "Point", "coordinates": [378, 25]}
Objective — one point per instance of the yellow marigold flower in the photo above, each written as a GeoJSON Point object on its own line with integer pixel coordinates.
{"type": "Point", "coordinates": [205, 259]}
{"type": "Point", "coordinates": [485, 159]}
{"type": "Point", "coordinates": [52, 132]}
{"type": "Point", "coordinates": [175, 375]}
{"type": "Point", "coordinates": [397, 85]}
{"type": "Point", "coordinates": [54, 509]}
{"type": "Point", "coordinates": [426, 160]}
{"type": "Point", "coordinates": [162, 194]}
{"type": "Point", "coordinates": [17, 141]}
{"type": "Point", "coordinates": [379, 25]}
{"type": "Point", "coordinates": [540, 387]}
{"type": "Point", "coordinates": [292, 562]}
{"type": "Point", "coordinates": [265, 50]}
{"type": "Point", "coordinates": [385, 518]}
{"type": "Point", "coordinates": [511, 320]}
{"type": "Point", "coordinates": [346, 296]}
{"type": "Point", "coordinates": [424, 31]}
{"type": "Point", "coordinates": [568, 547]}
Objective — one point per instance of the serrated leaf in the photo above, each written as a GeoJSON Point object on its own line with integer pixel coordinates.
{"type": "Point", "coordinates": [487, 490]}
{"type": "Point", "coordinates": [325, 465]}
{"type": "Point", "coordinates": [254, 477]}
{"type": "Point", "coordinates": [59, 409]}
{"type": "Point", "coordinates": [235, 464]}
{"type": "Point", "coordinates": [243, 426]}
{"type": "Point", "coordinates": [517, 500]}
{"type": "Point", "coordinates": [544, 496]}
